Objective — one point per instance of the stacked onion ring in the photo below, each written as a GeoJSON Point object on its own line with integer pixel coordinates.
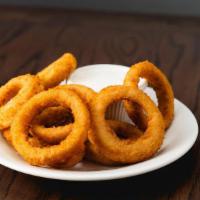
{"type": "Point", "coordinates": [51, 155]}
{"type": "Point", "coordinates": [159, 82]}
{"type": "Point", "coordinates": [104, 142]}
{"type": "Point", "coordinates": [58, 126]}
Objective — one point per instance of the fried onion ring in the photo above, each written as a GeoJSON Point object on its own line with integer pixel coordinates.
{"type": "Point", "coordinates": [54, 135]}
{"type": "Point", "coordinates": [52, 155]}
{"type": "Point", "coordinates": [58, 71]}
{"type": "Point", "coordinates": [159, 82]}
{"type": "Point", "coordinates": [50, 117]}
{"type": "Point", "coordinates": [106, 143]}
{"type": "Point", "coordinates": [14, 94]}
{"type": "Point", "coordinates": [34, 141]}
{"type": "Point", "coordinates": [123, 130]}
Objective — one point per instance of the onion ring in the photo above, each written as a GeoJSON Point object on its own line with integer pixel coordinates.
{"type": "Point", "coordinates": [58, 71]}
{"type": "Point", "coordinates": [122, 129]}
{"type": "Point", "coordinates": [14, 94]}
{"type": "Point", "coordinates": [159, 82]}
{"type": "Point", "coordinates": [55, 154]}
{"type": "Point", "coordinates": [106, 143]}
{"type": "Point", "coordinates": [54, 135]}
{"type": "Point", "coordinates": [34, 141]}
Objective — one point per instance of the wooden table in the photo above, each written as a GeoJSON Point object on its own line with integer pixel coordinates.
{"type": "Point", "coordinates": [32, 38]}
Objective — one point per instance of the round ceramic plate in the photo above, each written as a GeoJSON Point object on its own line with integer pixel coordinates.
{"type": "Point", "coordinates": [179, 138]}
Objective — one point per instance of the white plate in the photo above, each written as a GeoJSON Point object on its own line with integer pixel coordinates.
{"type": "Point", "coordinates": [180, 137]}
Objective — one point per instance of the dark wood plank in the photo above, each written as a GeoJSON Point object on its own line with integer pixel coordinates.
{"type": "Point", "coordinates": [30, 39]}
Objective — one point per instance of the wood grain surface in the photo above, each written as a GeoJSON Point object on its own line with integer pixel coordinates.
{"type": "Point", "coordinates": [32, 38]}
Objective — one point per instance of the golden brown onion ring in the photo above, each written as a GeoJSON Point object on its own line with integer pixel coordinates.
{"type": "Point", "coordinates": [55, 154]}
{"type": "Point", "coordinates": [14, 94]}
{"type": "Point", "coordinates": [52, 116]}
{"type": "Point", "coordinates": [106, 143]}
{"type": "Point", "coordinates": [34, 141]}
{"type": "Point", "coordinates": [123, 130]}
{"type": "Point", "coordinates": [53, 135]}
{"type": "Point", "coordinates": [159, 82]}
{"type": "Point", "coordinates": [58, 71]}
